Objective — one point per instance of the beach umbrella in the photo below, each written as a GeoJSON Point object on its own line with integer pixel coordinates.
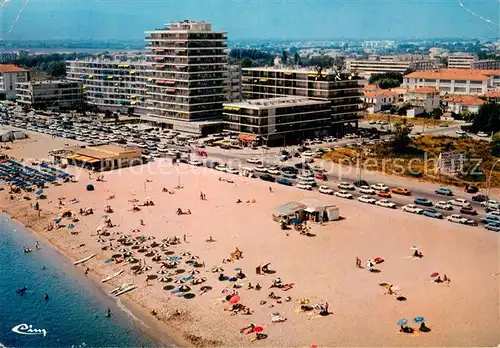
{"type": "Point", "coordinates": [123, 250]}
{"type": "Point", "coordinates": [71, 226]}
{"type": "Point", "coordinates": [418, 320]}
{"type": "Point", "coordinates": [59, 219]}
{"type": "Point", "coordinates": [402, 322]}
{"type": "Point", "coordinates": [194, 271]}
{"type": "Point", "coordinates": [165, 279]}
{"type": "Point", "coordinates": [434, 275]}
{"type": "Point", "coordinates": [217, 269]}
{"type": "Point", "coordinates": [206, 288]}
{"type": "Point", "coordinates": [194, 257]}
{"type": "Point", "coordinates": [162, 271]}
{"type": "Point", "coordinates": [39, 192]}
{"type": "Point", "coordinates": [237, 269]}
{"type": "Point", "coordinates": [414, 247]}
{"type": "Point", "coordinates": [184, 288]}
{"type": "Point", "coordinates": [258, 329]}
{"type": "Point", "coordinates": [179, 280]}
{"type": "Point", "coordinates": [187, 253]}
{"type": "Point", "coordinates": [234, 300]}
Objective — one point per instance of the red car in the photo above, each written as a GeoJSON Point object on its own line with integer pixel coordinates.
{"type": "Point", "coordinates": [384, 194]}
{"type": "Point", "coordinates": [202, 153]}
{"type": "Point", "coordinates": [468, 210]}
{"type": "Point", "coordinates": [321, 176]}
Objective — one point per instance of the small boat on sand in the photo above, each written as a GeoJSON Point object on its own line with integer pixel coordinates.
{"type": "Point", "coordinates": [83, 260]}
{"type": "Point", "coordinates": [104, 280]}
{"type": "Point", "coordinates": [126, 287]}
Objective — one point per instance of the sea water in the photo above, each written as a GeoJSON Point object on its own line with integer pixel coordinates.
{"type": "Point", "coordinates": [74, 314]}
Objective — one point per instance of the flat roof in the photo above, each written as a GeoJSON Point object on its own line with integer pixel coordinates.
{"type": "Point", "coordinates": [104, 151]}
{"type": "Point", "coordinates": [291, 70]}
{"type": "Point", "coordinates": [259, 104]}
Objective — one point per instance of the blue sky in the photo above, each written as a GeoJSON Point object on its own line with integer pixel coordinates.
{"type": "Point", "coordinates": [251, 19]}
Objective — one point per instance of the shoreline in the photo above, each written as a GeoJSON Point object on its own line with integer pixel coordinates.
{"type": "Point", "coordinates": [158, 332]}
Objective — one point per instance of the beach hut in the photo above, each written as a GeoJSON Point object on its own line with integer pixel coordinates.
{"type": "Point", "coordinates": [287, 211]}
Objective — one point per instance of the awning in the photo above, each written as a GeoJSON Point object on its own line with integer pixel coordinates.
{"type": "Point", "coordinates": [231, 108]}
{"type": "Point", "coordinates": [247, 137]}
{"type": "Point", "coordinates": [159, 65]}
{"type": "Point", "coordinates": [310, 210]}
{"type": "Point", "coordinates": [72, 156]}
{"type": "Point", "coordinates": [160, 81]}
{"type": "Point", "coordinates": [91, 76]}
{"type": "Point", "coordinates": [110, 77]}
{"type": "Point", "coordinates": [132, 72]}
{"type": "Point", "coordinates": [158, 58]}
{"type": "Point", "coordinates": [150, 79]}
{"type": "Point", "coordinates": [169, 81]}
{"type": "Point", "coordinates": [287, 73]}
{"type": "Point", "coordinates": [262, 79]}
{"type": "Point", "coordinates": [170, 89]}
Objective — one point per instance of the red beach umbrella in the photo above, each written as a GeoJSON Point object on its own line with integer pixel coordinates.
{"type": "Point", "coordinates": [234, 300]}
{"type": "Point", "coordinates": [258, 329]}
{"type": "Point", "coordinates": [434, 275]}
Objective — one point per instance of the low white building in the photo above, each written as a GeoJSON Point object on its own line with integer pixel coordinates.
{"type": "Point", "coordinates": [61, 94]}
{"type": "Point", "coordinates": [378, 100]}
{"type": "Point", "coordinates": [462, 103]}
{"type": "Point", "coordinates": [423, 97]}
{"type": "Point", "coordinates": [10, 134]}
{"type": "Point", "coordinates": [11, 74]}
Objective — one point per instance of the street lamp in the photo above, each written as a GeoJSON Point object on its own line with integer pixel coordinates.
{"type": "Point", "coordinates": [489, 184]}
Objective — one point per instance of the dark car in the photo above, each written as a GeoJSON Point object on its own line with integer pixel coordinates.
{"type": "Point", "coordinates": [468, 211]}
{"type": "Point", "coordinates": [360, 183]}
{"type": "Point", "coordinates": [480, 198]}
{"type": "Point", "coordinates": [212, 164]}
{"type": "Point", "coordinates": [423, 201]}
{"type": "Point", "coordinates": [433, 213]}
{"type": "Point", "coordinates": [302, 166]}
{"type": "Point", "coordinates": [472, 189]}
{"type": "Point", "coordinates": [290, 170]}
{"type": "Point", "coordinates": [267, 177]}
{"type": "Point", "coordinates": [283, 181]}
{"type": "Point", "coordinates": [289, 175]}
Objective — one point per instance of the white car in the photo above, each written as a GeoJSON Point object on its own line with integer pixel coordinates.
{"type": "Point", "coordinates": [308, 154]}
{"type": "Point", "coordinates": [195, 163]}
{"type": "Point", "coordinates": [443, 205]}
{"type": "Point", "coordinates": [232, 171]}
{"type": "Point", "coordinates": [367, 199]}
{"type": "Point", "coordinates": [460, 202]}
{"type": "Point", "coordinates": [273, 171]}
{"type": "Point", "coordinates": [459, 219]}
{"type": "Point", "coordinates": [344, 194]}
{"type": "Point", "coordinates": [254, 160]}
{"type": "Point", "coordinates": [380, 187]}
{"type": "Point", "coordinates": [221, 168]}
{"type": "Point", "coordinates": [346, 186]}
{"type": "Point", "coordinates": [491, 204]}
{"type": "Point", "coordinates": [460, 132]}
{"type": "Point", "coordinates": [482, 135]}
{"type": "Point", "coordinates": [260, 169]}
{"type": "Point", "coordinates": [304, 186]}
{"type": "Point", "coordinates": [326, 190]}
{"type": "Point", "coordinates": [367, 190]}
{"type": "Point", "coordinates": [412, 208]}
{"type": "Point", "coordinates": [386, 204]}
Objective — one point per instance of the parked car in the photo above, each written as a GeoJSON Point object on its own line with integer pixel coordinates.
{"type": "Point", "coordinates": [232, 171]}
{"type": "Point", "coordinates": [491, 204]}
{"type": "Point", "coordinates": [472, 189]}
{"type": "Point", "coordinates": [488, 219]}
{"type": "Point", "coordinates": [267, 177]}
{"type": "Point", "coordinates": [360, 183]}
{"type": "Point", "coordinates": [412, 208]}
{"type": "Point", "coordinates": [289, 175]}
{"type": "Point", "coordinates": [367, 199]}
{"type": "Point", "coordinates": [482, 135]}
{"type": "Point", "coordinates": [304, 186]}
{"type": "Point", "coordinates": [444, 191]}
{"type": "Point", "coordinates": [320, 176]}
{"type": "Point", "coordinates": [273, 171]}
{"type": "Point", "coordinates": [367, 190]}
{"type": "Point", "coordinates": [468, 211]}
{"type": "Point", "coordinates": [212, 164]}
{"type": "Point", "coordinates": [479, 198]}
{"type": "Point", "coordinates": [380, 187]}
{"type": "Point", "coordinates": [221, 167]}
{"type": "Point", "coordinates": [423, 201]}
{"type": "Point", "coordinates": [494, 226]}
{"type": "Point", "coordinates": [346, 186]}
{"type": "Point", "coordinates": [384, 194]}
{"type": "Point", "coordinates": [460, 202]}
{"type": "Point", "coordinates": [289, 169]}
{"type": "Point", "coordinates": [433, 213]}
{"type": "Point", "coordinates": [326, 190]}
{"type": "Point", "coordinates": [344, 194]}
{"type": "Point", "coordinates": [401, 191]}
{"type": "Point", "coordinates": [386, 204]}
{"type": "Point", "coordinates": [254, 160]}
{"type": "Point", "coordinates": [443, 205]}
{"type": "Point", "coordinates": [459, 219]}
{"type": "Point", "coordinates": [195, 163]}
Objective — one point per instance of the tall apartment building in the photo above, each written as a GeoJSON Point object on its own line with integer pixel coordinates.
{"type": "Point", "coordinates": [342, 93]}
{"type": "Point", "coordinates": [10, 75]}
{"type": "Point", "coordinates": [234, 88]}
{"type": "Point", "coordinates": [454, 81]}
{"type": "Point", "coordinates": [62, 94]}
{"type": "Point", "coordinates": [111, 85]}
{"type": "Point", "coordinates": [188, 76]}
{"type": "Point", "coordinates": [486, 64]}
{"type": "Point", "coordinates": [461, 61]}
{"type": "Point", "coordinates": [385, 64]}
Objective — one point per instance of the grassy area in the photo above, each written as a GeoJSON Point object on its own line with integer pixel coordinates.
{"type": "Point", "coordinates": [417, 121]}
{"type": "Point", "coordinates": [421, 159]}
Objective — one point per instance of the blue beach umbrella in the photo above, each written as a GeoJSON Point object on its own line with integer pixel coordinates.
{"type": "Point", "coordinates": [418, 320]}
{"type": "Point", "coordinates": [58, 220]}
{"type": "Point", "coordinates": [39, 192]}
{"type": "Point", "coordinates": [237, 269]}
{"type": "Point", "coordinates": [402, 322]}
{"type": "Point", "coordinates": [70, 226]}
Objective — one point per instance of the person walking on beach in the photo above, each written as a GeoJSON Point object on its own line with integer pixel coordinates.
{"type": "Point", "coordinates": [37, 245]}
{"type": "Point", "coordinates": [270, 189]}
{"type": "Point", "coordinates": [358, 262]}
{"type": "Point", "coordinates": [184, 238]}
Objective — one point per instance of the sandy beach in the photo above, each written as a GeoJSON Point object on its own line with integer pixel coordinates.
{"type": "Point", "coordinates": [322, 268]}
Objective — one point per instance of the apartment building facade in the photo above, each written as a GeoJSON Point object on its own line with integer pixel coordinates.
{"type": "Point", "coordinates": [454, 81]}
{"type": "Point", "coordinates": [188, 74]}
{"type": "Point", "coordinates": [278, 121]}
{"type": "Point", "coordinates": [10, 75]}
{"type": "Point", "coordinates": [233, 87]}
{"type": "Point", "coordinates": [386, 64]}
{"type": "Point", "coordinates": [486, 64]}
{"type": "Point", "coordinates": [63, 94]}
{"type": "Point", "coordinates": [461, 61]}
{"type": "Point", "coordinates": [342, 92]}
{"type": "Point", "coordinates": [426, 98]}
{"type": "Point", "coordinates": [111, 85]}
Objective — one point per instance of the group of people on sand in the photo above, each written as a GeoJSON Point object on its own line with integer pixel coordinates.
{"type": "Point", "coordinates": [181, 212]}
{"type": "Point", "coordinates": [408, 329]}
{"type": "Point", "coordinates": [167, 191]}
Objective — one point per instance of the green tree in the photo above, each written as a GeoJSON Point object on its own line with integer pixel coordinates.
{"type": "Point", "coordinates": [495, 144]}
{"type": "Point", "coordinates": [487, 119]}
{"type": "Point", "coordinates": [386, 80]}
{"type": "Point", "coordinates": [296, 58]}
{"type": "Point", "coordinates": [246, 63]}
{"type": "Point", "coordinates": [284, 57]}
{"type": "Point", "coordinates": [401, 140]}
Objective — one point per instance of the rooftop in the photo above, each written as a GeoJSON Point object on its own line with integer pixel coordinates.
{"type": "Point", "coordinates": [291, 69]}
{"type": "Point", "coordinates": [492, 94]}
{"type": "Point", "coordinates": [380, 93]}
{"type": "Point", "coordinates": [11, 68]}
{"type": "Point", "coordinates": [455, 74]}
{"type": "Point", "coordinates": [259, 104]}
{"type": "Point", "coordinates": [424, 90]}
{"type": "Point", "coordinates": [464, 99]}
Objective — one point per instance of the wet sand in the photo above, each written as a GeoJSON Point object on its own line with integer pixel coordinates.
{"type": "Point", "coordinates": [463, 313]}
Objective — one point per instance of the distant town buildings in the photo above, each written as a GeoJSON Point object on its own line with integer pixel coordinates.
{"type": "Point", "coordinates": [378, 44]}
{"type": "Point", "coordinates": [111, 85]}
{"type": "Point", "coordinates": [461, 61]}
{"type": "Point", "coordinates": [486, 64]}
{"type": "Point", "coordinates": [234, 88]}
{"type": "Point", "coordinates": [454, 81]}
{"type": "Point", "coordinates": [6, 57]}
{"type": "Point", "coordinates": [386, 64]}
{"type": "Point", "coordinates": [278, 121]}
{"type": "Point", "coordinates": [187, 77]}
{"type": "Point", "coordinates": [339, 89]}
{"type": "Point", "coordinates": [62, 94]}
{"type": "Point", "coordinates": [10, 75]}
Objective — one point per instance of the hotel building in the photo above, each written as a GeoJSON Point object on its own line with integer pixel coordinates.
{"type": "Point", "coordinates": [454, 81]}
{"type": "Point", "coordinates": [111, 85]}
{"type": "Point", "coordinates": [278, 121]}
{"type": "Point", "coordinates": [327, 85]}
{"type": "Point", "coordinates": [50, 94]}
{"type": "Point", "coordinates": [187, 80]}
{"type": "Point", "coordinates": [10, 75]}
